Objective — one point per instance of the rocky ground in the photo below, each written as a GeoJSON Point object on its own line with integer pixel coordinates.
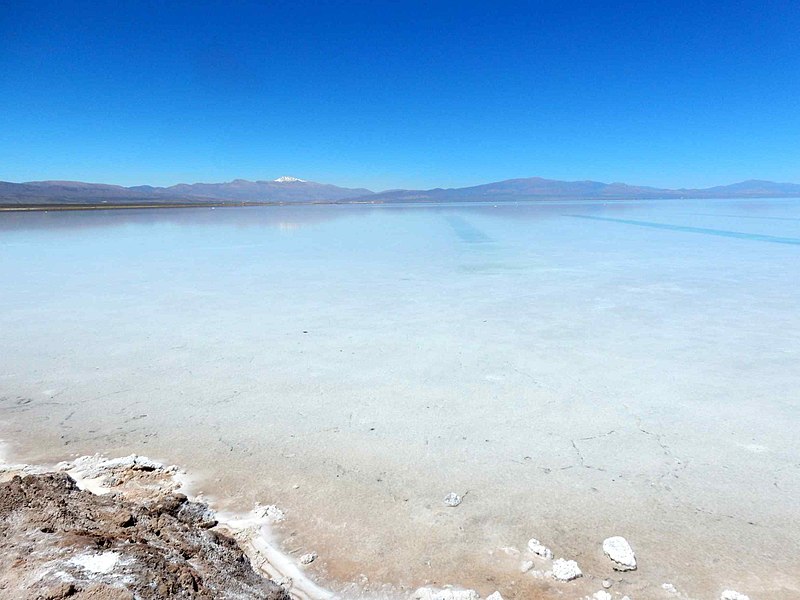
{"type": "Point", "coordinates": [139, 539]}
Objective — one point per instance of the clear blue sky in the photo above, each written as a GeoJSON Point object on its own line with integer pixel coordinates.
{"type": "Point", "coordinates": [400, 94]}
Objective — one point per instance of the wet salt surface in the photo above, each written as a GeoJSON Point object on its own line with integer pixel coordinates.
{"type": "Point", "coordinates": [571, 378]}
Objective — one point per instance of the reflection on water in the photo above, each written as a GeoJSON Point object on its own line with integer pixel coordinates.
{"type": "Point", "coordinates": [701, 230]}
{"type": "Point", "coordinates": [580, 377]}
{"type": "Point", "coordinates": [286, 217]}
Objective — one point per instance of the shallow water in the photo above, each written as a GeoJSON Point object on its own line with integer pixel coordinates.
{"type": "Point", "coordinates": [578, 370]}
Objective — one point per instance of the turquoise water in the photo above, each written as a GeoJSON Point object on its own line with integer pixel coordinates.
{"type": "Point", "coordinates": [580, 369]}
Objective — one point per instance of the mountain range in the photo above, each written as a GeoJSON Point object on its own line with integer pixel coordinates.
{"type": "Point", "coordinates": [294, 190]}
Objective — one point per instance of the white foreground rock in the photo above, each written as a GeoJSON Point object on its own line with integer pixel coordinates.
{"type": "Point", "coordinates": [494, 596]}
{"type": "Point", "coordinates": [601, 595]}
{"type": "Point", "coordinates": [539, 549]}
{"type": "Point", "coordinates": [307, 559]}
{"type": "Point", "coordinates": [620, 552]}
{"type": "Point", "coordinates": [452, 499]}
{"type": "Point", "coordinates": [731, 595]}
{"type": "Point", "coordinates": [566, 570]}
{"type": "Point", "coordinates": [428, 593]}
{"type": "Point", "coordinates": [526, 566]}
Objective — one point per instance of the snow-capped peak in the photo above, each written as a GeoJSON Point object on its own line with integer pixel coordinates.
{"type": "Point", "coordinates": [287, 179]}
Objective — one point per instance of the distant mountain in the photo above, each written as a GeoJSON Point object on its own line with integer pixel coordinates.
{"type": "Point", "coordinates": [536, 188]}
{"type": "Point", "coordinates": [293, 190]}
{"type": "Point", "coordinates": [752, 188]}
{"type": "Point", "coordinates": [283, 189]}
{"type": "Point", "coordinates": [72, 192]}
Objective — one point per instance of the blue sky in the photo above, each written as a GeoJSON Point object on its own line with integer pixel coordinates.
{"type": "Point", "coordinates": [400, 94]}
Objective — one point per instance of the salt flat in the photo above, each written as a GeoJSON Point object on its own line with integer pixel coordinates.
{"type": "Point", "coordinates": [633, 373]}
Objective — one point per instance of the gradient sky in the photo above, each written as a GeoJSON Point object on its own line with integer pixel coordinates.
{"type": "Point", "coordinates": [400, 94]}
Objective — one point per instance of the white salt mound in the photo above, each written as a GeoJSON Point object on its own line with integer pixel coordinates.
{"type": "Point", "coordinates": [731, 595]}
{"type": "Point", "coordinates": [494, 596]}
{"type": "Point", "coordinates": [538, 549]}
{"type": "Point", "coordinates": [620, 552]}
{"type": "Point", "coordinates": [601, 595]}
{"type": "Point", "coordinates": [566, 570]}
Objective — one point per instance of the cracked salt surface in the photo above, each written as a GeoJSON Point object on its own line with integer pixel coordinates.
{"type": "Point", "coordinates": [623, 381]}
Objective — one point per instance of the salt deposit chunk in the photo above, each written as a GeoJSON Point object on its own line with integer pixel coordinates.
{"type": "Point", "coordinates": [92, 467]}
{"type": "Point", "coordinates": [428, 593]}
{"type": "Point", "coordinates": [601, 595]}
{"type": "Point", "coordinates": [494, 596]}
{"type": "Point", "coordinates": [272, 513]}
{"type": "Point", "coordinates": [97, 563]}
{"type": "Point", "coordinates": [526, 566]}
{"type": "Point", "coordinates": [285, 582]}
{"type": "Point", "coordinates": [452, 499]}
{"type": "Point", "coordinates": [307, 559]}
{"type": "Point", "coordinates": [538, 549]}
{"type": "Point", "coordinates": [566, 570]}
{"type": "Point", "coordinates": [731, 595]}
{"type": "Point", "coordinates": [619, 550]}
{"type": "Point", "coordinates": [668, 587]}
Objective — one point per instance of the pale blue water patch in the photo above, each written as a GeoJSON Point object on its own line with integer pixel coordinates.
{"type": "Point", "coordinates": [581, 377]}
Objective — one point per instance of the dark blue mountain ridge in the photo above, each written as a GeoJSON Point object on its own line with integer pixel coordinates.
{"type": "Point", "coordinates": [292, 190]}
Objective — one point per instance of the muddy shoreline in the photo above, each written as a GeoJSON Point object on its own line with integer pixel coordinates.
{"type": "Point", "coordinates": [118, 529]}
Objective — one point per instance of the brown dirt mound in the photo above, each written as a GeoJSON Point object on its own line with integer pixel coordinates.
{"type": "Point", "coordinates": [57, 541]}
